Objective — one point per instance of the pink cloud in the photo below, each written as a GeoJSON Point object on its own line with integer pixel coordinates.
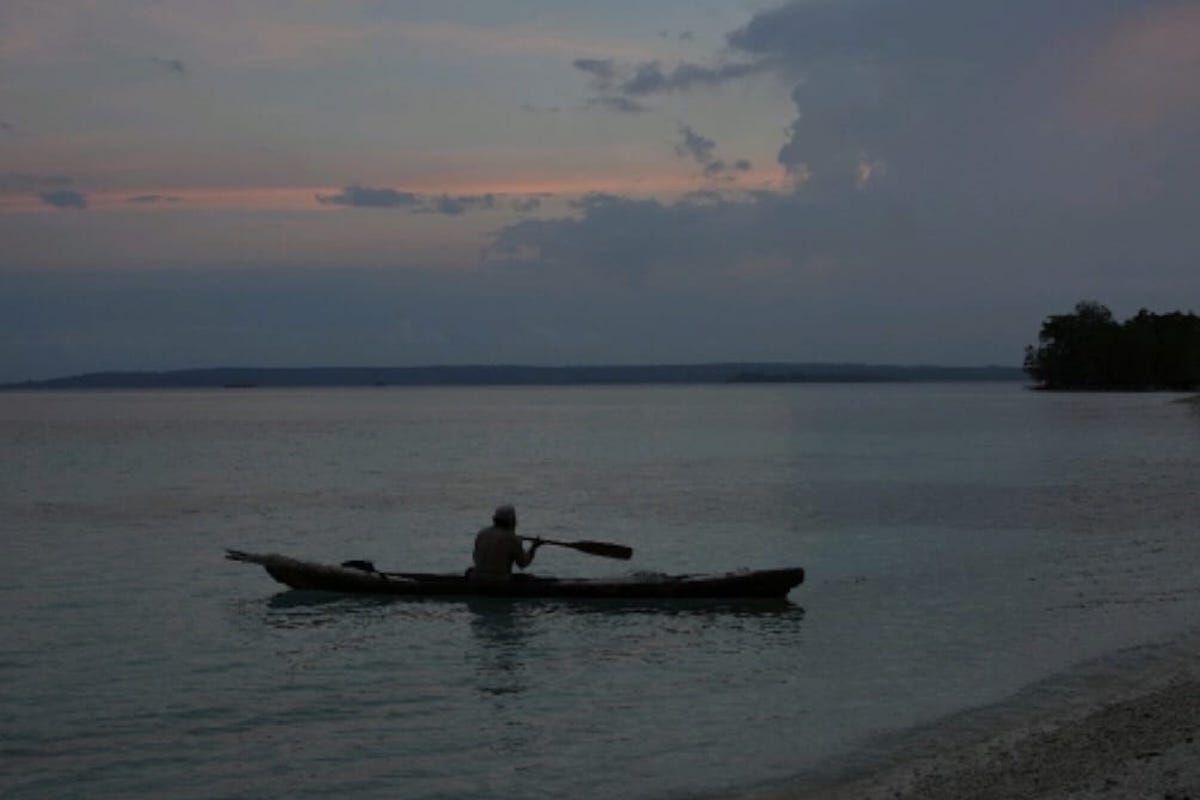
{"type": "Point", "coordinates": [1140, 74]}
{"type": "Point", "coordinates": [642, 182]}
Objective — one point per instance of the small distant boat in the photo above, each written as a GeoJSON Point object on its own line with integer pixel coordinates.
{"type": "Point", "coordinates": [362, 578]}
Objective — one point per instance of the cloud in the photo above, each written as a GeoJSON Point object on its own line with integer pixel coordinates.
{"type": "Point", "coordinates": [634, 239]}
{"type": "Point", "coordinates": [621, 87]}
{"type": "Point", "coordinates": [64, 199]}
{"type": "Point", "coordinates": [173, 65]}
{"type": "Point", "coordinates": [455, 206]}
{"type": "Point", "coordinates": [950, 160]}
{"type": "Point", "coordinates": [153, 199]}
{"type": "Point", "coordinates": [932, 91]}
{"type": "Point", "coordinates": [51, 190]}
{"type": "Point", "coordinates": [650, 78]}
{"type": "Point", "coordinates": [1001, 32]}
{"type": "Point", "coordinates": [694, 145]}
{"type": "Point", "coordinates": [526, 205]}
{"type": "Point", "coordinates": [702, 150]}
{"type": "Point", "coordinates": [602, 70]}
{"type": "Point", "coordinates": [356, 196]}
{"type": "Point", "coordinates": [624, 105]}
{"type": "Point", "coordinates": [605, 77]}
{"type": "Point", "coordinates": [705, 234]}
{"type": "Point", "coordinates": [976, 99]}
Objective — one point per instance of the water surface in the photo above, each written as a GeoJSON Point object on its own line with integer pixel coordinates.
{"type": "Point", "coordinates": [961, 542]}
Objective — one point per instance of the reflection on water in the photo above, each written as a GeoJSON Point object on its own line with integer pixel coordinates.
{"type": "Point", "coordinates": [508, 643]}
{"type": "Point", "coordinates": [1192, 404]}
{"type": "Point", "coordinates": [301, 598]}
{"type": "Point", "coordinates": [500, 614]}
{"type": "Point", "coordinates": [308, 609]}
{"type": "Point", "coordinates": [735, 607]}
{"type": "Point", "coordinates": [501, 629]}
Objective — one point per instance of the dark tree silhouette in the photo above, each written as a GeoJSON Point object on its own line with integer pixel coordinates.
{"type": "Point", "coordinates": [1089, 350]}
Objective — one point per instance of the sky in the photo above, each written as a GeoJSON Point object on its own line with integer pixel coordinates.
{"type": "Point", "coordinates": [368, 182]}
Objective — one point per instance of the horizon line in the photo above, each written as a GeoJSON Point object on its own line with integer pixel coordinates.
{"type": "Point", "coordinates": [713, 371]}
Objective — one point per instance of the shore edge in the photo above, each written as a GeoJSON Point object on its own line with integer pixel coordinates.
{"type": "Point", "coordinates": [1143, 743]}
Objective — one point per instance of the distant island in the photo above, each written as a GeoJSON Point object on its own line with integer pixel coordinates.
{"type": "Point", "coordinates": [742, 373]}
{"type": "Point", "coordinates": [1089, 351]}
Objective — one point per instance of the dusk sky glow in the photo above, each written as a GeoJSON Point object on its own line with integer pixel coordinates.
{"type": "Point", "coordinates": [268, 183]}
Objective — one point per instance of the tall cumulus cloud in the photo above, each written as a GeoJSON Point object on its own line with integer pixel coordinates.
{"type": "Point", "coordinates": [941, 136]}
{"type": "Point", "coordinates": [988, 155]}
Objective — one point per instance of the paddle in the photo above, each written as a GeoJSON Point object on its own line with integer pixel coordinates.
{"type": "Point", "coordinates": [591, 548]}
{"type": "Point", "coordinates": [605, 549]}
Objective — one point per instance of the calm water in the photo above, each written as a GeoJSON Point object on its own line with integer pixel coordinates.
{"type": "Point", "coordinates": [962, 542]}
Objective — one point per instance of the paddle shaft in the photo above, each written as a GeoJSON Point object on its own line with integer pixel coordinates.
{"type": "Point", "coordinates": [605, 549]}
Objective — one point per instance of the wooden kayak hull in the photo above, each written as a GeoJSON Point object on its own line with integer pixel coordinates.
{"type": "Point", "coordinates": [309, 575]}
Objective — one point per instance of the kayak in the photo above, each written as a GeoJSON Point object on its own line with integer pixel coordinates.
{"type": "Point", "coordinates": [362, 578]}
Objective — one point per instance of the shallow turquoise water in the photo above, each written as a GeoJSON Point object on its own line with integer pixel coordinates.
{"type": "Point", "coordinates": [961, 542]}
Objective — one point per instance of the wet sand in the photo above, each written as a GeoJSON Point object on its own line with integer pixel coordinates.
{"type": "Point", "coordinates": [1144, 744]}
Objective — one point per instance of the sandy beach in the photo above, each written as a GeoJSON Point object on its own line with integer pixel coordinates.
{"type": "Point", "coordinates": [1144, 743]}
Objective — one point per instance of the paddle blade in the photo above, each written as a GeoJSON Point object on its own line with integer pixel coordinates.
{"type": "Point", "coordinates": [604, 549]}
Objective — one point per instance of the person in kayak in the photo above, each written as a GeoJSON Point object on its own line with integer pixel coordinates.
{"type": "Point", "coordinates": [497, 548]}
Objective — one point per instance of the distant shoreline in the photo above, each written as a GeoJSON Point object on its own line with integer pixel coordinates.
{"type": "Point", "coordinates": [515, 375]}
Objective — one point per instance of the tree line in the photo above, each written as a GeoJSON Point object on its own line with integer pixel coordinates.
{"type": "Point", "coordinates": [1089, 350]}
